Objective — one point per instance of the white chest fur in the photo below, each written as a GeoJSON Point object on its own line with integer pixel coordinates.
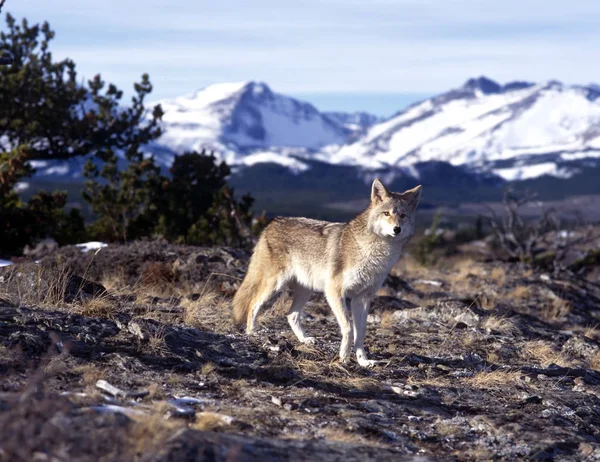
{"type": "Point", "coordinates": [369, 273]}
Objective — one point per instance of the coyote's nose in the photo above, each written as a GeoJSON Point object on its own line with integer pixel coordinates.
{"type": "Point", "coordinates": [397, 229]}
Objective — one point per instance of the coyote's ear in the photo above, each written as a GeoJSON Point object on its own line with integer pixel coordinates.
{"type": "Point", "coordinates": [378, 191]}
{"type": "Point", "coordinates": [412, 197]}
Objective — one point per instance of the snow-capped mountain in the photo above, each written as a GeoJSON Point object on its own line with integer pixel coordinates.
{"type": "Point", "coordinates": [516, 131]}
{"type": "Point", "coordinates": [519, 130]}
{"type": "Point", "coordinates": [239, 120]}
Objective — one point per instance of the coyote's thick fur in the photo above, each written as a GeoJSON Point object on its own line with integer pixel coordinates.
{"type": "Point", "coordinates": [342, 260]}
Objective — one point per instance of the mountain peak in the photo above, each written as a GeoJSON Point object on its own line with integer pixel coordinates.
{"type": "Point", "coordinates": [483, 84]}
{"type": "Point", "coordinates": [489, 87]}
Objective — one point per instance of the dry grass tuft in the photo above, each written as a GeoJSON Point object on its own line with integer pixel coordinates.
{"type": "Point", "coordinates": [195, 310]}
{"type": "Point", "coordinates": [98, 307]}
{"type": "Point", "coordinates": [207, 369]}
{"type": "Point", "coordinates": [90, 374]}
{"type": "Point", "coordinates": [431, 381]}
{"type": "Point", "coordinates": [342, 436]}
{"type": "Point", "coordinates": [543, 353]}
{"type": "Point", "coordinates": [149, 432]}
{"type": "Point", "coordinates": [464, 269]}
{"type": "Point", "coordinates": [557, 310]}
{"type": "Point", "coordinates": [210, 421]}
{"type": "Point", "coordinates": [156, 391]}
{"type": "Point", "coordinates": [498, 275]}
{"type": "Point", "coordinates": [158, 273]}
{"type": "Point", "coordinates": [487, 301]}
{"type": "Point", "coordinates": [498, 324]}
{"type": "Point", "coordinates": [595, 361]}
{"type": "Point", "coordinates": [591, 332]}
{"type": "Point", "coordinates": [494, 379]}
{"type": "Point", "coordinates": [521, 292]}
{"type": "Point", "coordinates": [388, 319]}
{"type": "Point", "coordinates": [156, 343]}
{"type": "Point", "coordinates": [113, 280]}
{"type": "Point", "coordinates": [36, 285]}
{"type": "Point", "coordinates": [279, 309]}
{"type": "Point", "coordinates": [448, 429]}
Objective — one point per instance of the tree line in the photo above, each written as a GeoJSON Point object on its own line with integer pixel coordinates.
{"type": "Point", "coordinates": [47, 114]}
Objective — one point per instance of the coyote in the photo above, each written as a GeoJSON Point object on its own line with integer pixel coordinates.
{"type": "Point", "coordinates": [342, 260]}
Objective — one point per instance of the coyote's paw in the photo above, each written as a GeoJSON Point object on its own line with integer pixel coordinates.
{"type": "Point", "coordinates": [309, 340]}
{"type": "Point", "coordinates": [363, 362]}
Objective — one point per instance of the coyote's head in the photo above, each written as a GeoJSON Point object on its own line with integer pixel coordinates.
{"type": "Point", "coordinates": [392, 215]}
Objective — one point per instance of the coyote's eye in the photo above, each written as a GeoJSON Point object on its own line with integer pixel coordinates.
{"type": "Point", "coordinates": [387, 214]}
{"type": "Point", "coordinates": [403, 216]}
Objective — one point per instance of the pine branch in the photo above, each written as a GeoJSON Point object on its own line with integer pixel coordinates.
{"type": "Point", "coordinates": [5, 57]}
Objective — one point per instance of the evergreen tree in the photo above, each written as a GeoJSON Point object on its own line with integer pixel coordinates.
{"type": "Point", "coordinates": [43, 215]}
{"type": "Point", "coordinates": [124, 201]}
{"type": "Point", "coordinates": [45, 109]}
{"type": "Point", "coordinates": [199, 208]}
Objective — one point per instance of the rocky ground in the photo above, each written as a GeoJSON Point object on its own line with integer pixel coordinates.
{"type": "Point", "coordinates": [129, 353]}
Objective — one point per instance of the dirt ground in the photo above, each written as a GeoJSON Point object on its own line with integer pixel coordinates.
{"type": "Point", "coordinates": [129, 353]}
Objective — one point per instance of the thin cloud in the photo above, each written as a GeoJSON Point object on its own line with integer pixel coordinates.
{"type": "Point", "coordinates": [402, 46]}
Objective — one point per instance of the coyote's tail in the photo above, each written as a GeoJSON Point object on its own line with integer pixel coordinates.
{"type": "Point", "coordinates": [242, 301]}
{"type": "Point", "coordinates": [248, 291]}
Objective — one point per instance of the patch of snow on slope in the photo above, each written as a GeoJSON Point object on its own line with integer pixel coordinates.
{"type": "Point", "coordinates": [5, 263]}
{"type": "Point", "coordinates": [579, 155]}
{"type": "Point", "coordinates": [525, 172]}
{"type": "Point", "coordinates": [294, 165]}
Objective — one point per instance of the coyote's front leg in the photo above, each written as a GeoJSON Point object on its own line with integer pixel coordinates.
{"type": "Point", "coordinates": [338, 305]}
{"type": "Point", "coordinates": [360, 310]}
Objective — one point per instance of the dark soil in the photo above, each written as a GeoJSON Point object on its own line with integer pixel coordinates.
{"type": "Point", "coordinates": [478, 361]}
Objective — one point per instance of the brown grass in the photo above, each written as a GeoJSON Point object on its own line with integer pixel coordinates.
{"type": "Point", "coordinates": [388, 319]}
{"type": "Point", "coordinates": [195, 310]}
{"type": "Point", "coordinates": [90, 374]}
{"type": "Point", "coordinates": [36, 285]}
{"type": "Point", "coordinates": [156, 343]}
{"type": "Point", "coordinates": [113, 280]}
{"type": "Point", "coordinates": [487, 301]}
{"type": "Point", "coordinates": [342, 436]}
{"type": "Point", "coordinates": [494, 379]}
{"type": "Point", "coordinates": [591, 332]}
{"type": "Point", "coordinates": [498, 324]}
{"type": "Point", "coordinates": [498, 275]}
{"type": "Point", "coordinates": [210, 421]}
{"type": "Point", "coordinates": [156, 391]}
{"type": "Point", "coordinates": [595, 361]}
{"type": "Point", "coordinates": [520, 292]}
{"type": "Point", "coordinates": [207, 368]}
{"type": "Point", "coordinates": [543, 353]}
{"type": "Point", "coordinates": [556, 311]}
{"type": "Point", "coordinates": [463, 269]}
{"type": "Point", "coordinates": [149, 432]}
{"type": "Point", "coordinates": [448, 429]}
{"type": "Point", "coordinates": [98, 307]}
{"type": "Point", "coordinates": [280, 308]}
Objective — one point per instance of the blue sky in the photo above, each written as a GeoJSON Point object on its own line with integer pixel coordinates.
{"type": "Point", "coordinates": [374, 55]}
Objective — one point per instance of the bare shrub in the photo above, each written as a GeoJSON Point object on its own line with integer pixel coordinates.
{"type": "Point", "coordinates": [542, 243]}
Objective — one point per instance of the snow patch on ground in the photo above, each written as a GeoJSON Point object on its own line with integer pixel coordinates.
{"type": "Point", "coordinates": [5, 263]}
{"type": "Point", "coordinates": [93, 245]}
